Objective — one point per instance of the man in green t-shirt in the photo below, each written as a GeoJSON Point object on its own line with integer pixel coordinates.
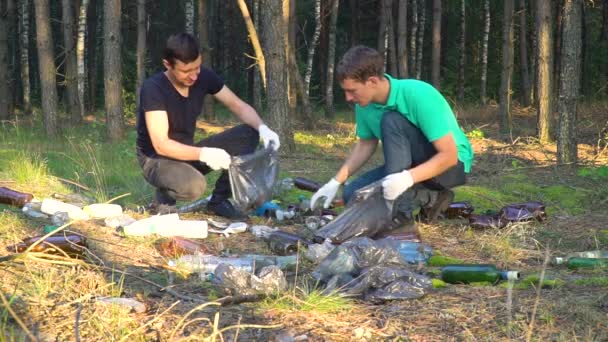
{"type": "Point", "coordinates": [425, 151]}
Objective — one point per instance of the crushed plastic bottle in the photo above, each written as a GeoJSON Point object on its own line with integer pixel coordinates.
{"type": "Point", "coordinates": [51, 206]}
{"type": "Point", "coordinates": [414, 252]}
{"type": "Point", "coordinates": [60, 218]}
{"type": "Point", "coordinates": [319, 251]}
{"type": "Point", "coordinates": [32, 209]}
{"type": "Point", "coordinates": [468, 273]}
{"type": "Point", "coordinates": [14, 198]}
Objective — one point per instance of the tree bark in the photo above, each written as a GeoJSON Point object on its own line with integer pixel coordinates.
{"type": "Point", "coordinates": [24, 35]}
{"type": "Point", "coordinates": [402, 39]}
{"type": "Point", "coordinates": [504, 111]}
{"type": "Point", "coordinates": [257, 81]}
{"type": "Point", "coordinates": [71, 64]}
{"type": "Point", "coordinates": [94, 28]}
{"type": "Point", "coordinates": [311, 47]}
{"type": "Point", "coordinates": [544, 37]}
{"type": "Point", "coordinates": [112, 67]}
{"type": "Point", "coordinates": [421, 31]}
{"type": "Point", "coordinates": [414, 36]}
{"type": "Point", "coordinates": [354, 21]}
{"type": "Point", "coordinates": [382, 31]}
{"type": "Point", "coordinates": [189, 16]}
{"type": "Point", "coordinates": [290, 44]}
{"type": "Point", "coordinates": [523, 54]}
{"type": "Point", "coordinates": [484, 52]}
{"type": "Point", "coordinates": [255, 42]}
{"type": "Point", "coordinates": [463, 53]}
{"type": "Point", "coordinates": [13, 38]}
{"type": "Point", "coordinates": [80, 51]}
{"type": "Point", "coordinates": [309, 122]}
{"type": "Point", "coordinates": [141, 46]}
{"type": "Point", "coordinates": [274, 35]}
{"type": "Point", "coordinates": [534, 55]}
{"type": "Point", "coordinates": [331, 56]}
{"type": "Point", "coordinates": [557, 44]}
{"type": "Point", "coordinates": [391, 46]}
{"type": "Point", "coordinates": [5, 92]}
{"type": "Point", "coordinates": [436, 56]}
{"type": "Point", "coordinates": [203, 37]}
{"type": "Point", "coordinates": [570, 81]}
{"type": "Point", "coordinates": [46, 62]}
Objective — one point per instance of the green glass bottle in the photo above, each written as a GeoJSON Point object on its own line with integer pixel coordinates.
{"type": "Point", "coordinates": [471, 273]}
{"type": "Point", "coordinates": [586, 254]}
{"type": "Point", "coordinates": [577, 263]}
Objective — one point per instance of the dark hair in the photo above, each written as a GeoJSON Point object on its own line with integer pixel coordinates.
{"type": "Point", "coordinates": [359, 63]}
{"type": "Point", "coordinates": [181, 46]}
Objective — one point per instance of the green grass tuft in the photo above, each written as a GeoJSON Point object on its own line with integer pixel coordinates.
{"type": "Point", "coordinates": [313, 301]}
{"type": "Point", "coordinates": [440, 260]}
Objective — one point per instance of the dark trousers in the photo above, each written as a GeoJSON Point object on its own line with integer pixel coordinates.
{"type": "Point", "coordinates": [185, 180]}
{"type": "Point", "coordinates": [405, 147]}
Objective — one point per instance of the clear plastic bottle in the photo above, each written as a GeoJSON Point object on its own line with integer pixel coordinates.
{"type": "Point", "coordinates": [414, 252]}
{"type": "Point", "coordinates": [103, 210]}
{"type": "Point", "coordinates": [51, 206]}
{"type": "Point", "coordinates": [206, 264]}
{"type": "Point", "coordinates": [167, 225]}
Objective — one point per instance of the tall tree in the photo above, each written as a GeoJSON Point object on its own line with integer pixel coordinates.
{"type": "Point", "coordinates": [504, 110]}
{"type": "Point", "coordinates": [436, 54]}
{"type": "Point", "coordinates": [71, 64]}
{"type": "Point", "coordinates": [141, 46]}
{"type": "Point", "coordinates": [255, 42]}
{"type": "Point", "coordinates": [311, 47]}
{"type": "Point", "coordinates": [484, 51]}
{"type": "Point", "coordinates": [274, 37]}
{"type": "Point", "coordinates": [402, 39]}
{"type": "Point", "coordinates": [354, 20]}
{"type": "Point", "coordinates": [94, 27]}
{"type": "Point", "coordinates": [13, 23]}
{"type": "Point", "coordinates": [463, 53]}
{"type": "Point", "coordinates": [203, 36]}
{"type": "Point", "coordinates": [390, 36]}
{"type": "Point", "coordinates": [331, 63]}
{"type": "Point", "coordinates": [544, 37]}
{"type": "Point", "coordinates": [569, 81]}
{"type": "Point", "coordinates": [523, 54]}
{"type": "Point", "coordinates": [189, 16]}
{"type": "Point", "coordinates": [420, 43]}
{"type": "Point", "coordinates": [112, 67]}
{"type": "Point", "coordinates": [5, 92]}
{"type": "Point", "coordinates": [413, 38]}
{"type": "Point", "coordinates": [257, 81]}
{"type": "Point", "coordinates": [46, 62]}
{"type": "Point", "coordinates": [24, 41]}
{"type": "Point", "coordinates": [80, 51]}
{"type": "Point", "coordinates": [290, 44]}
{"type": "Point", "coordinates": [382, 31]}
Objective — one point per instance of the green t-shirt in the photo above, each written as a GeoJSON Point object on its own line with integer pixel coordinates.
{"type": "Point", "coordinates": [424, 107]}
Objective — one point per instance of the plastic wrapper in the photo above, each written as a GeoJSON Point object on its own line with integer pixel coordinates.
{"type": "Point", "coordinates": [378, 283]}
{"type": "Point", "coordinates": [252, 178]}
{"type": "Point", "coordinates": [367, 214]}
{"type": "Point", "coordinates": [319, 251]}
{"type": "Point", "coordinates": [235, 281]}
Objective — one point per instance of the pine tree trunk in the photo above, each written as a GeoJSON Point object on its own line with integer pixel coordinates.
{"type": "Point", "coordinates": [354, 21]}
{"type": "Point", "coordinates": [204, 15]}
{"type": "Point", "coordinates": [504, 110]}
{"type": "Point", "coordinates": [414, 36]}
{"type": "Point", "coordinates": [570, 81]}
{"type": "Point", "coordinates": [71, 64]}
{"type": "Point", "coordinates": [257, 81]}
{"type": "Point", "coordinates": [308, 120]}
{"type": "Point", "coordinates": [436, 55]}
{"type": "Point", "coordinates": [557, 44]}
{"type": "Point", "coordinates": [141, 46]}
{"type": "Point", "coordinates": [189, 16]}
{"type": "Point", "coordinates": [5, 92]}
{"type": "Point", "coordinates": [24, 34]}
{"type": "Point", "coordinates": [331, 56]}
{"type": "Point", "coordinates": [545, 70]}
{"type": "Point", "coordinates": [382, 31]}
{"type": "Point", "coordinates": [80, 51]}
{"type": "Point", "coordinates": [420, 44]}
{"type": "Point", "coordinates": [290, 44]}
{"type": "Point", "coordinates": [533, 57]}
{"type": "Point", "coordinates": [275, 31]}
{"type": "Point", "coordinates": [523, 54]}
{"type": "Point", "coordinates": [112, 68]}
{"type": "Point", "coordinates": [390, 27]}
{"type": "Point", "coordinates": [484, 51]}
{"type": "Point", "coordinates": [311, 47]}
{"type": "Point", "coordinates": [46, 62]}
{"type": "Point", "coordinates": [93, 51]}
{"type": "Point", "coordinates": [13, 37]}
{"type": "Point", "coordinates": [463, 53]}
{"type": "Point", "coordinates": [402, 39]}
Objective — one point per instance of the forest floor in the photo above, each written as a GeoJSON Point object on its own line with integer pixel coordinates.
{"type": "Point", "coordinates": [54, 298]}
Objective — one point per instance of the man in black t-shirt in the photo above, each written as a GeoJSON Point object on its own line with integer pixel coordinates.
{"type": "Point", "coordinates": [170, 103]}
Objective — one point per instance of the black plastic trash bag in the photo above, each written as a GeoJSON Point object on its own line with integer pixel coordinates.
{"type": "Point", "coordinates": [253, 176]}
{"type": "Point", "coordinates": [367, 214]}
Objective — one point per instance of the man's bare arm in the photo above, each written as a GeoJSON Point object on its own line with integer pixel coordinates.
{"type": "Point", "coordinates": [360, 154]}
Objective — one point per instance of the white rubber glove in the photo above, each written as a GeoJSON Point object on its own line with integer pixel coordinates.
{"type": "Point", "coordinates": [216, 158]}
{"type": "Point", "coordinates": [328, 191]}
{"type": "Point", "coordinates": [269, 135]}
{"type": "Point", "coordinates": [396, 183]}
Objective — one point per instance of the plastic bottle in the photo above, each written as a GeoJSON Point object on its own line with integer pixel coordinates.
{"type": "Point", "coordinates": [414, 252]}
{"type": "Point", "coordinates": [14, 198]}
{"type": "Point", "coordinates": [262, 232]}
{"type": "Point", "coordinates": [577, 263]}
{"type": "Point", "coordinates": [206, 264]}
{"type": "Point", "coordinates": [587, 254]}
{"type": "Point", "coordinates": [284, 243]}
{"type": "Point", "coordinates": [51, 206]}
{"type": "Point", "coordinates": [467, 273]}
{"type": "Point", "coordinates": [459, 210]}
{"type": "Point", "coordinates": [103, 210]}
{"type": "Point", "coordinates": [32, 209]}
{"type": "Point", "coordinates": [71, 244]}
{"type": "Point", "coordinates": [178, 246]}
{"type": "Point", "coordinates": [167, 225]}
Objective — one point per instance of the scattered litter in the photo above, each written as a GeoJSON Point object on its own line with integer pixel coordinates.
{"type": "Point", "coordinates": [103, 210]}
{"type": "Point", "coordinates": [32, 209]}
{"type": "Point", "coordinates": [206, 264]}
{"type": "Point", "coordinates": [167, 225]}
{"type": "Point", "coordinates": [51, 206]}
{"type": "Point", "coordinates": [317, 252]}
{"type": "Point", "coordinates": [119, 221]}
{"type": "Point", "coordinates": [60, 218]}
{"type": "Point", "coordinates": [70, 244]}
{"type": "Point", "coordinates": [194, 206]}
{"type": "Point", "coordinates": [178, 246]}
{"type": "Point", "coordinates": [14, 198]}
{"type": "Point", "coordinates": [233, 228]}
{"type": "Point", "coordinates": [467, 273]}
{"type": "Point", "coordinates": [262, 232]}
{"type": "Point", "coordinates": [234, 280]}
{"type": "Point", "coordinates": [284, 243]}
{"type": "Point", "coordinates": [129, 303]}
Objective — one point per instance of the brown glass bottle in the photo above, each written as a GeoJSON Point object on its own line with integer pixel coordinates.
{"type": "Point", "coordinates": [15, 198]}
{"type": "Point", "coordinates": [71, 244]}
{"type": "Point", "coordinates": [306, 184]}
{"type": "Point", "coordinates": [526, 211]}
{"type": "Point", "coordinates": [178, 246]}
{"type": "Point", "coordinates": [459, 210]}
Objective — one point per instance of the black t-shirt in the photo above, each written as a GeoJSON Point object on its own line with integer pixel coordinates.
{"type": "Point", "coordinates": [157, 93]}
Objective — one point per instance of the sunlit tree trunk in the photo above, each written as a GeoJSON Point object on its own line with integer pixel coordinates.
{"type": "Point", "coordinates": [141, 46]}
{"type": "Point", "coordinates": [545, 69]}
{"type": "Point", "coordinates": [436, 54]}
{"type": "Point", "coordinates": [420, 48]}
{"type": "Point", "coordinates": [5, 92]}
{"type": "Point", "coordinates": [570, 81]}
{"type": "Point", "coordinates": [463, 53]}
{"type": "Point", "coordinates": [504, 110]}
{"type": "Point", "coordinates": [255, 42]}
{"type": "Point", "coordinates": [311, 47]}
{"type": "Point", "coordinates": [413, 39]}
{"type": "Point", "coordinates": [402, 39]}
{"type": "Point", "coordinates": [46, 62]}
{"type": "Point", "coordinates": [189, 16]}
{"type": "Point", "coordinates": [257, 81]}
{"type": "Point", "coordinates": [484, 51]}
{"type": "Point", "coordinates": [80, 51]}
{"type": "Point", "coordinates": [24, 35]}
{"type": "Point", "coordinates": [204, 16]}
{"type": "Point", "coordinates": [331, 56]}
{"type": "Point", "coordinates": [523, 54]}
{"type": "Point", "coordinates": [290, 44]}
{"type": "Point", "coordinates": [71, 64]}
{"type": "Point", "coordinates": [112, 68]}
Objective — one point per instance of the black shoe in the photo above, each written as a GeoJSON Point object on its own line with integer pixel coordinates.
{"type": "Point", "coordinates": [227, 210]}
{"type": "Point", "coordinates": [431, 212]}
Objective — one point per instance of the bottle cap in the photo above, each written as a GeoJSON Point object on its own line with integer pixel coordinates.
{"type": "Point", "coordinates": [558, 260]}
{"type": "Point", "coordinates": [511, 275]}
